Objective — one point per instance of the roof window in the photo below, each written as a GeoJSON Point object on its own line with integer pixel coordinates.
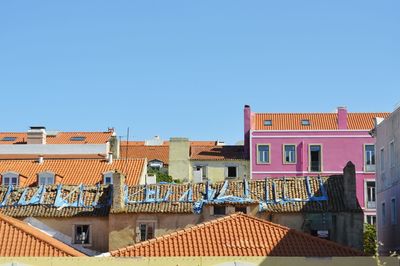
{"type": "Point", "coordinates": [77, 138]}
{"type": "Point", "coordinates": [268, 122]}
{"type": "Point", "coordinates": [9, 139]}
{"type": "Point", "coordinates": [305, 122]}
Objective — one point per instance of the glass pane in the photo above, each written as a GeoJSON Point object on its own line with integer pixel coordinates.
{"type": "Point", "coordinates": [263, 153]}
{"type": "Point", "coordinates": [290, 153]}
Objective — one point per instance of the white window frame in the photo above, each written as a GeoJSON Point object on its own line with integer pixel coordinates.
{"type": "Point", "coordinates": [269, 154]}
{"type": "Point", "coordinates": [10, 176]}
{"type": "Point", "coordinates": [90, 228]}
{"type": "Point", "coordinates": [107, 175]}
{"type": "Point", "coordinates": [227, 171]}
{"type": "Point", "coordinates": [372, 219]}
{"type": "Point", "coordinates": [47, 176]}
{"type": "Point", "coordinates": [294, 153]}
{"type": "Point", "coordinates": [156, 164]}
{"type": "Point", "coordinates": [369, 167]}
{"type": "Point", "coordinates": [147, 223]}
{"type": "Point", "coordinates": [366, 193]}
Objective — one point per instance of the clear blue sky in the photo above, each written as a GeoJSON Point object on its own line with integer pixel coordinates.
{"type": "Point", "coordinates": [186, 68]}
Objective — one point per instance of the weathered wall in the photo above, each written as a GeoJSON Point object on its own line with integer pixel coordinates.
{"type": "Point", "coordinates": [216, 169]}
{"type": "Point", "coordinates": [179, 164]}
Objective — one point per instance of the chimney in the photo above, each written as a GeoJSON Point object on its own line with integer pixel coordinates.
{"type": "Point", "coordinates": [342, 117]}
{"type": "Point", "coordinates": [179, 155]}
{"type": "Point", "coordinates": [118, 201]}
{"type": "Point", "coordinates": [114, 146]}
{"type": "Point", "coordinates": [349, 186]}
{"type": "Point", "coordinates": [36, 135]}
{"type": "Point", "coordinates": [40, 159]}
{"type": "Point", "coordinates": [247, 128]}
{"type": "Point", "coordinates": [110, 158]}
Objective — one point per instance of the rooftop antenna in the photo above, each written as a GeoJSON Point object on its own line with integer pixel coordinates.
{"type": "Point", "coordinates": [126, 149]}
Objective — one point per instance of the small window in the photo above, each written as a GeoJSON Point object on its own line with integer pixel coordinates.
{"type": "Point", "coordinates": [82, 234]}
{"type": "Point", "coordinates": [393, 211]}
{"type": "Point", "coordinates": [305, 122]}
{"type": "Point", "coordinates": [241, 209]}
{"type": "Point", "coordinates": [232, 172]}
{"type": "Point", "coordinates": [263, 153]}
{"type": "Point", "coordinates": [8, 139]}
{"type": "Point", "coordinates": [77, 138]}
{"type": "Point", "coordinates": [146, 230]}
{"type": "Point", "coordinates": [108, 178]}
{"type": "Point", "coordinates": [289, 153]}
{"type": "Point", "coordinates": [383, 211]}
{"type": "Point", "coordinates": [46, 178]}
{"type": "Point", "coordinates": [10, 179]}
{"type": "Point", "coordinates": [371, 219]}
{"type": "Point", "coordinates": [219, 210]}
{"type": "Point", "coordinates": [268, 122]}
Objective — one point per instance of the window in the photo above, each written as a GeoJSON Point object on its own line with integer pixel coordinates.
{"type": "Point", "coordinates": [82, 234]}
{"type": "Point", "coordinates": [77, 138]}
{"type": "Point", "coordinates": [305, 122]}
{"type": "Point", "coordinates": [10, 179]}
{"type": "Point", "coordinates": [219, 210]}
{"type": "Point", "coordinates": [241, 209]}
{"type": "Point", "coordinates": [263, 153]}
{"type": "Point", "coordinates": [393, 211]}
{"type": "Point", "coordinates": [200, 172]}
{"type": "Point", "coordinates": [108, 178]}
{"type": "Point", "coordinates": [268, 122]}
{"type": "Point", "coordinates": [231, 171]}
{"type": "Point", "coordinates": [156, 164]}
{"type": "Point", "coordinates": [315, 158]}
{"type": "Point", "coordinates": [371, 219]}
{"type": "Point", "coordinates": [289, 153]}
{"type": "Point", "coordinates": [370, 195]}
{"type": "Point", "coordinates": [382, 160]}
{"type": "Point", "coordinates": [369, 160]}
{"type": "Point", "coordinates": [391, 154]}
{"type": "Point", "coordinates": [46, 178]}
{"type": "Point", "coordinates": [8, 139]}
{"type": "Point", "coordinates": [146, 230]}
{"type": "Point", "coordinates": [383, 213]}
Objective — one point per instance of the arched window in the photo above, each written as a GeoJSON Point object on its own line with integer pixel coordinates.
{"type": "Point", "coordinates": [108, 178]}
{"type": "Point", "coordinates": [46, 178]}
{"type": "Point", "coordinates": [10, 178]}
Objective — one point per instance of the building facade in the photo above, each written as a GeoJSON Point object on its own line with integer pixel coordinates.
{"type": "Point", "coordinates": [311, 144]}
{"type": "Point", "coordinates": [388, 182]}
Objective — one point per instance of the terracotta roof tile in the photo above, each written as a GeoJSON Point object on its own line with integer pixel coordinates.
{"type": "Point", "coordinates": [60, 138]}
{"type": "Point", "coordinates": [295, 188]}
{"type": "Point", "coordinates": [217, 152]}
{"type": "Point", "coordinates": [160, 153]}
{"type": "Point", "coordinates": [18, 239]}
{"type": "Point", "coordinates": [318, 121]}
{"type": "Point", "coordinates": [236, 235]}
{"type": "Point", "coordinates": [50, 156]}
{"type": "Point", "coordinates": [73, 171]}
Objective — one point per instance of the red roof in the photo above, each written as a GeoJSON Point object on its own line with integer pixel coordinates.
{"type": "Point", "coordinates": [73, 171]}
{"type": "Point", "coordinates": [236, 235]}
{"type": "Point", "coordinates": [18, 239]}
{"type": "Point", "coordinates": [318, 121]}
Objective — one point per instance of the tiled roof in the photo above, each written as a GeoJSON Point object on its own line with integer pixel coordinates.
{"type": "Point", "coordinates": [236, 235]}
{"type": "Point", "coordinates": [294, 188]}
{"type": "Point", "coordinates": [18, 239]}
{"type": "Point", "coordinates": [73, 171]}
{"type": "Point", "coordinates": [60, 137]}
{"type": "Point", "coordinates": [90, 194]}
{"type": "Point", "coordinates": [318, 121]}
{"type": "Point", "coordinates": [160, 153]}
{"type": "Point", "coordinates": [217, 152]}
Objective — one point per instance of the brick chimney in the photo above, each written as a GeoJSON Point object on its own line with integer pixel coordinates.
{"type": "Point", "coordinates": [36, 135]}
{"type": "Point", "coordinates": [118, 202]}
{"type": "Point", "coordinates": [247, 128]}
{"type": "Point", "coordinates": [342, 117]}
{"type": "Point", "coordinates": [349, 185]}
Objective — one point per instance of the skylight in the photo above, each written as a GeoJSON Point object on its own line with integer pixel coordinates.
{"type": "Point", "coordinates": [268, 122]}
{"type": "Point", "coordinates": [305, 122]}
{"type": "Point", "coordinates": [8, 139]}
{"type": "Point", "coordinates": [77, 138]}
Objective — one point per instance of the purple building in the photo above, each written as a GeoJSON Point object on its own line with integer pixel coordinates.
{"type": "Point", "coordinates": [301, 144]}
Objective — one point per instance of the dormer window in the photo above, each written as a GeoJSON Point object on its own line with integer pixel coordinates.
{"type": "Point", "coordinates": [108, 178]}
{"type": "Point", "coordinates": [305, 122]}
{"type": "Point", "coordinates": [10, 179]}
{"type": "Point", "coordinates": [46, 178]}
{"type": "Point", "coordinates": [268, 122]}
{"type": "Point", "coordinates": [78, 138]}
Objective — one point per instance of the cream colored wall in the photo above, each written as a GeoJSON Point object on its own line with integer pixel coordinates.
{"type": "Point", "coordinates": [216, 169]}
{"type": "Point", "coordinates": [179, 164]}
{"type": "Point", "coordinates": [98, 225]}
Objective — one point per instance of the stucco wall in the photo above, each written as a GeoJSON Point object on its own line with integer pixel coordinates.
{"type": "Point", "coordinates": [179, 164]}
{"type": "Point", "coordinates": [216, 169]}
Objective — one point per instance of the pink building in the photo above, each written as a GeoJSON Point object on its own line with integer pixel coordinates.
{"type": "Point", "coordinates": [301, 144]}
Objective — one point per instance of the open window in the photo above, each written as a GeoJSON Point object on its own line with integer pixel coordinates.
{"type": "Point", "coordinates": [146, 230]}
{"type": "Point", "coordinates": [82, 234]}
{"type": "Point", "coordinates": [219, 210]}
{"type": "Point", "coordinates": [200, 173]}
{"type": "Point", "coordinates": [10, 179]}
{"type": "Point", "coordinates": [46, 178]}
{"type": "Point", "coordinates": [231, 171]}
{"type": "Point", "coordinates": [315, 158]}
{"type": "Point", "coordinates": [370, 194]}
